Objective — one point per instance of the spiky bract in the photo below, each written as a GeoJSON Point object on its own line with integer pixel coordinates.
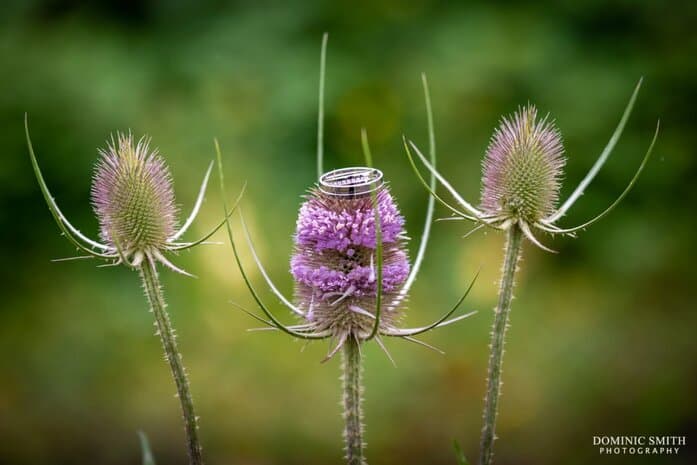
{"type": "Point", "coordinates": [334, 262]}
{"type": "Point", "coordinates": [522, 168]}
{"type": "Point", "coordinates": [133, 197]}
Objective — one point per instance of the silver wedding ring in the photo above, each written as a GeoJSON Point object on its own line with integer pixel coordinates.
{"type": "Point", "coordinates": [351, 182]}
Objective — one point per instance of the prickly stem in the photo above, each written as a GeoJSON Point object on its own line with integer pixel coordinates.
{"type": "Point", "coordinates": [153, 291]}
{"type": "Point", "coordinates": [498, 333]}
{"type": "Point", "coordinates": [353, 395]}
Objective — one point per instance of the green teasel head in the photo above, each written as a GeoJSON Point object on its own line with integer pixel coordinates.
{"type": "Point", "coordinates": [133, 197]}
{"type": "Point", "coordinates": [522, 168]}
{"type": "Point", "coordinates": [522, 174]}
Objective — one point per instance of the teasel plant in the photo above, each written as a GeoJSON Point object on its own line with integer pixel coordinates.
{"type": "Point", "coordinates": [522, 172]}
{"type": "Point", "coordinates": [133, 199]}
{"type": "Point", "coordinates": [351, 270]}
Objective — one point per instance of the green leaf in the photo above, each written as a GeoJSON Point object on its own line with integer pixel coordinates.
{"type": "Point", "coordinates": [148, 458]}
{"type": "Point", "coordinates": [607, 151]}
{"type": "Point", "coordinates": [378, 240]}
{"type": "Point", "coordinates": [320, 110]}
{"type": "Point", "coordinates": [459, 455]}
{"type": "Point", "coordinates": [245, 277]}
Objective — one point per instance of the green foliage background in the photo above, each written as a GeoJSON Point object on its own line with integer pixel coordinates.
{"type": "Point", "coordinates": [603, 334]}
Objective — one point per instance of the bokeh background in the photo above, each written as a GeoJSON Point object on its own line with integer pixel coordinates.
{"type": "Point", "coordinates": [602, 337]}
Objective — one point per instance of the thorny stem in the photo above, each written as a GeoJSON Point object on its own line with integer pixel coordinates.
{"type": "Point", "coordinates": [498, 334]}
{"type": "Point", "coordinates": [353, 393]}
{"type": "Point", "coordinates": [153, 291]}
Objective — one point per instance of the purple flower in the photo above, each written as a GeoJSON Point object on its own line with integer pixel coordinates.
{"type": "Point", "coordinates": [336, 270]}
{"type": "Point", "coordinates": [334, 260]}
{"type": "Point", "coordinates": [326, 222]}
{"type": "Point", "coordinates": [349, 287]}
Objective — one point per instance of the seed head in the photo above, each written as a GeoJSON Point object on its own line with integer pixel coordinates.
{"type": "Point", "coordinates": [522, 168]}
{"type": "Point", "coordinates": [132, 196]}
{"type": "Point", "coordinates": [334, 261]}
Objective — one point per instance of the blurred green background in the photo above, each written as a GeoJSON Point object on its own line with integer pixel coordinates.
{"type": "Point", "coordinates": [603, 334]}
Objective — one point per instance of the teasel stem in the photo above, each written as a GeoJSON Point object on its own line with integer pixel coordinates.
{"type": "Point", "coordinates": [153, 291]}
{"type": "Point", "coordinates": [353, 395]}
{"type": "Point", "coordinates": [498, 334]}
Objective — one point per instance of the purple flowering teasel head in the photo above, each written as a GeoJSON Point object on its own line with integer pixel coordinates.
{"type": "Point", "coordinates": [334, 263]}
{"type": "Point", "coordinates": [350, 263]}
{"type": "Point", "coordinates": [340, 256]}
{"type": "Point", "coordinates": [522, 173]}
{"type": "Point", "coordinates": [351, 270]}
{"type": "Point", "coordinates": [133, 199]}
